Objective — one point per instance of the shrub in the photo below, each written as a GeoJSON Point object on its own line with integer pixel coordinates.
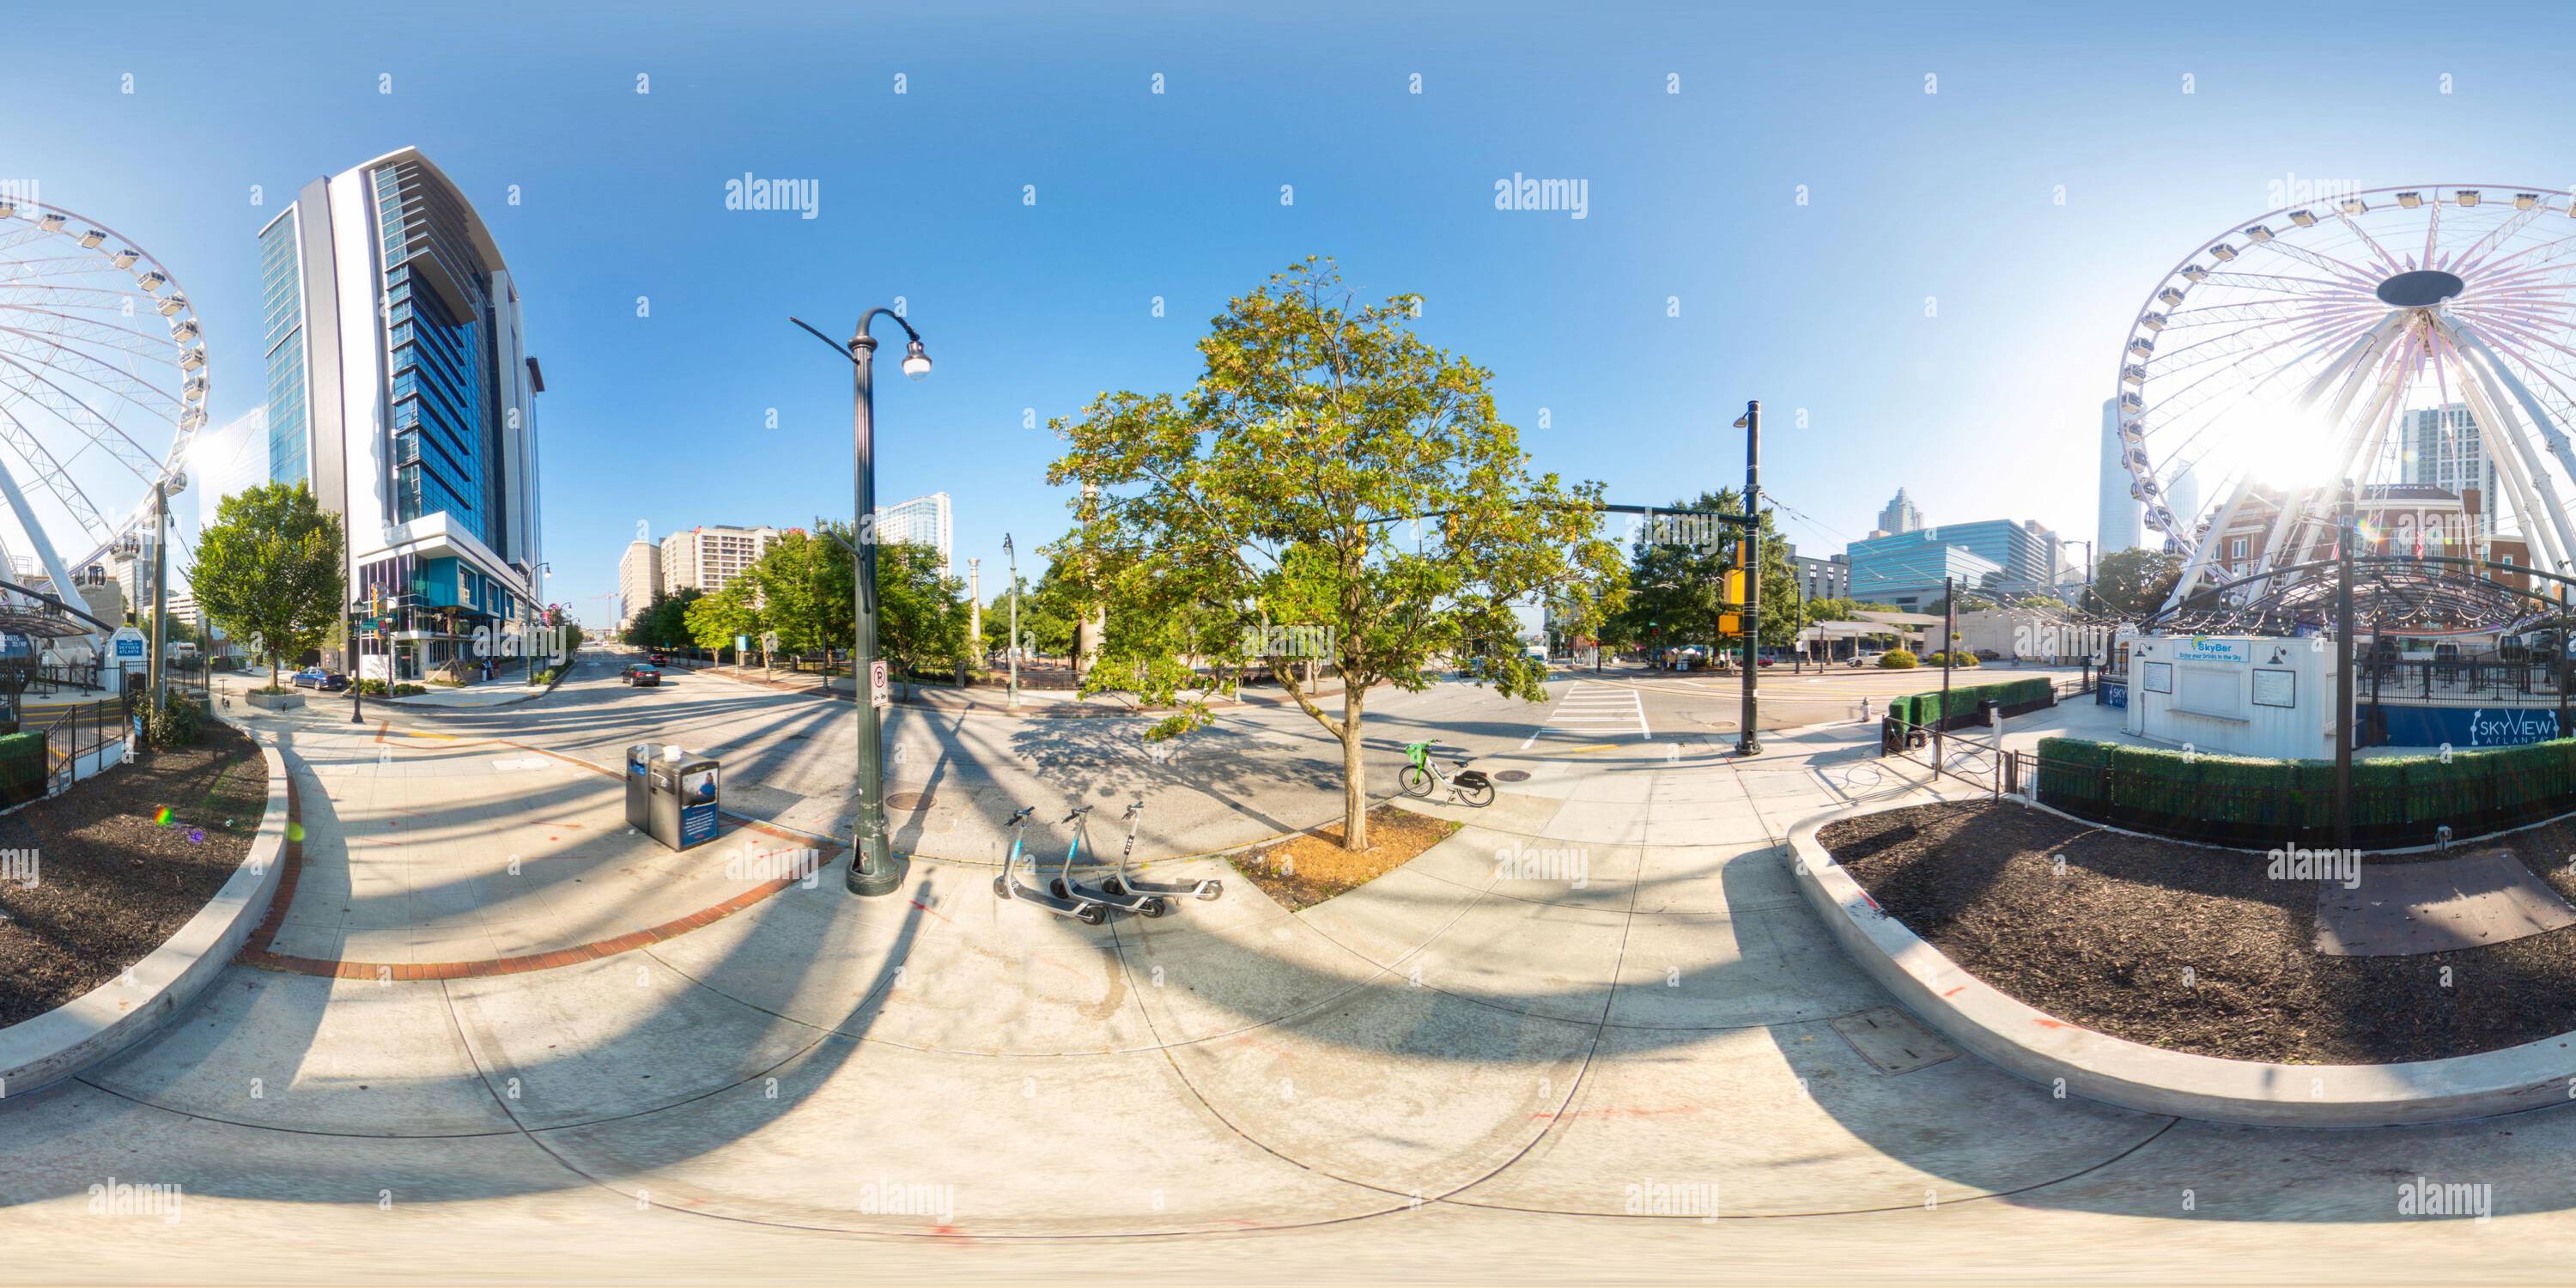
{"type": "Point", "coordinates": [409, 690]}
{"type": "Point", "coordinates": [22, 766]}
{"type": "Point", "coordinates": [1896, 659]}
{"type": "Point", "coordinates": [176, 723]}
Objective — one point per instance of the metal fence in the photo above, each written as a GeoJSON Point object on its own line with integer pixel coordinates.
{"type": "Point", "coordinates": [74, 733]}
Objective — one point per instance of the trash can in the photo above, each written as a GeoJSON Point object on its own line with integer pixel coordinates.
{"type": "Point", "coordinates": [685, 793]}
{"type": "Point", "coordinates": [639, 787]}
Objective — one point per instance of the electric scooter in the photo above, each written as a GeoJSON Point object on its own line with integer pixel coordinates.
{"type": "Point", "coordinates": [1126, 882]}
{"type": "Point", "coordinates": [1082, 910]}
{"type": "Point", "coordinates": [1065, 887]}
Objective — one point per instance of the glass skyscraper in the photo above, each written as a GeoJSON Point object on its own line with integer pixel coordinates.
{"type": "Point", "coordinates": [399, 388]}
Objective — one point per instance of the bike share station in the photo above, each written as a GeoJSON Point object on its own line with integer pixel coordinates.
{"type": "Point", "coordinates": [671, 795]}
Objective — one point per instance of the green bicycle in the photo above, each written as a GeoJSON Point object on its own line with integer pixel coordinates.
{"type": "Point", "coordinates": [1467, 786]}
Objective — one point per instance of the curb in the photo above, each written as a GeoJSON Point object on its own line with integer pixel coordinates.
{"type": "Point", "coordinates": [2129, 1075]}
{"type": "Point", "coordinates": [106, 1020]}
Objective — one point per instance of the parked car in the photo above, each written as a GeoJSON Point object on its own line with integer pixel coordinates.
{"type": "Point", "coordinates": [641, 674]}
{"type": "Point", "coordinates": [661, 659]}
{"type": "Point", "coordinates": [1867, 659]}
{"type": "Point", "coordinates": [314, 677]}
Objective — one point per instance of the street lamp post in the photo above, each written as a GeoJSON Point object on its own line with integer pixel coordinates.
{"type": "Point", "coordinates": [872, 869]}
{"type": "Point", "coordinates": [1015, 618]}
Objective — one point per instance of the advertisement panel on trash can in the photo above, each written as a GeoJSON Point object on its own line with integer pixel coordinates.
{"type": "Point", "coordinates": [697, 804]}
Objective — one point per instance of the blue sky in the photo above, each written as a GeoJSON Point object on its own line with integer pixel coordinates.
{"type": "Point", "coordinates": [1941, 320]}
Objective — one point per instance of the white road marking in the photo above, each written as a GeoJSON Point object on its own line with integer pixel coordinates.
{"type": "Point", "coordinates": [1592, 708]}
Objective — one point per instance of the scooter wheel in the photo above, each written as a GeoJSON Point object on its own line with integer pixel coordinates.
{"type": "Point", "coordinates": [1112, 885]}
{"type": "Point", "coordinates": [1214, 888]}
{"type": "Point", "coordinates": [1001, 887]}
{"type": "Point", "coordinates": [1093, 914]}
{"type": "Point", "coordinates": [1156, 907]}
{"type": "Point", "coordinates": [1057, 885]}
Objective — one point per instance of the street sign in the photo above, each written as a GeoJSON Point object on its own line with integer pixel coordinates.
{"type": "Point", "coordinates": [741, 643]}
{"type": "Point", "coordinates": [877, 690]}
{"type": "Point", "coordinates": [129, 648]}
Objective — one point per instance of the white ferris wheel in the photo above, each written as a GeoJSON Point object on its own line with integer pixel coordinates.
{"type": "Point", "coordinates": [2291, 353]}
{"type": "Point", "coordinates": [103, 382]}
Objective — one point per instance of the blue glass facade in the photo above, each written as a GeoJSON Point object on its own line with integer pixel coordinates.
{"type": "Point", "coordinates": [438, 333]}
{"type": "Point", "coordinates": [281, 280]}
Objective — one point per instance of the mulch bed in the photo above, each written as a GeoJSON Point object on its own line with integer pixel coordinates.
{"type": "Point", "coordinates": [115, 879]}
{"type": "Point", "coordinates": [2196, 949]}
{"type": "Point", "coordinates": [1310, 867]}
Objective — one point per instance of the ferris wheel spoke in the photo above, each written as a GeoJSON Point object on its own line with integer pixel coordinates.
{"type": "Point", "coordinates": [49, 473]}
{"type": "Point", "coordinates": [60, 326]}
{"type": "Point", "coordinates": [2477, 252]}
{"type": "Point", "coordinates": [80, 416]}
{"type": "Point", "coordinates": [133, 392]}
{"type": "Point", "coordinates": [2353, 274]}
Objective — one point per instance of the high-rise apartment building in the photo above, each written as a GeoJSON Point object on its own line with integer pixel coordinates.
{"type": "Point", "coordinates": [2121, 521]}
{"type": "Point", "coordinates": [2443, 449]}
{"type": "Point", "coordinates": [401, 390]}
{"type": "Point", "coordinates": [921, 521]}
{"type": "Point", "coordinates": [707, 558]}
{"type": "Point", "coordinates": [639, 575]}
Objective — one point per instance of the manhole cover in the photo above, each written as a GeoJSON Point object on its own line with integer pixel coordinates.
{"type": "Point", "coordinates": [908, 800]}
{"type": "Point", "coordinates": [1511, 775]}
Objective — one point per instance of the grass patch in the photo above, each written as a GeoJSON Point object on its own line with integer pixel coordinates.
{"type": "Point", "coordinates": [1310, 867]}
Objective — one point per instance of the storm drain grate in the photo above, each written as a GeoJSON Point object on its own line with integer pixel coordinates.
{"type": "Point", "coordinates": [908, 800]}
{"type": "Point", "coordinates": [1511, 775]}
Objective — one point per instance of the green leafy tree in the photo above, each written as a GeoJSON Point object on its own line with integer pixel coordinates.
{"type": "Point", "coordinates": [808, 589]}
{"type": "Point", "coordinates": [921, 615]}
{"type": "Point", "coordinates": [1286, 484]}
{"type": "Point", "coordinates": [669, 625]}
{"type": "Point", "coordinates": [1678, 589]}
{"type": "Point", "coordinates": [2133, 583]}
{"type": "Point", "coordinates": [269, 569]}
{"type": "Point", "coordinates": [713, 621]}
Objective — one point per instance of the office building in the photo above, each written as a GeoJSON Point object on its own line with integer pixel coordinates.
{"type": "Point", "coordinates": [1901, 515]}
{"type": "Point", "coordinates": [1909, 569]}
{"type": "Point", "coordinates": [708, 558]}
{"type": "Point", "coordinates": [401, 390]}
{"type": "Point", "coordinates": [2442, 448]}
{"type": "Point", "coordinates": [2121, 524]}
{"type": "Point", "coordinates": [921, 521]}
{"type": "Point", "coordinates": [639, 575]}
{"type": "Point", "coordinates": [1828, 578]}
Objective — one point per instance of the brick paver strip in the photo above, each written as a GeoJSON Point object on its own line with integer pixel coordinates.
{"type": "Point", "coordinates": [256, 952]}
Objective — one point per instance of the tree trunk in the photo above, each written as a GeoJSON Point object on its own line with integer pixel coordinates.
{"type": "Point", "coordinates": [1354, 774]}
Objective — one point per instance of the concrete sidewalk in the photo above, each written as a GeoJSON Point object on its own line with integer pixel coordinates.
{"type": "Point", "coordinates": [1592, 1021]}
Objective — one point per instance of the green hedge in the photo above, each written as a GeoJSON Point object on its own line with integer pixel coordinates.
{"type": "Point", "coordinates": [2398, 800]}
{"type": "Point", "coordinates": [1925, 708]}
{"type": "Point", "coordinates": [22, 766]}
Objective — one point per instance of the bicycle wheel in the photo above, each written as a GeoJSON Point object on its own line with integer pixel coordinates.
{"type": "Point", "coordinates": [1479, 795]}
{"type": "Point", "coordinates": [1414, 779]}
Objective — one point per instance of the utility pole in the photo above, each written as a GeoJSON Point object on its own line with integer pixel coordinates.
{"type": "Point", "coordinates": [2343, 669]}
{"type": "Point", "coordinates": [1748, 741]}
{"type": "Point", "coordinates": [975, 607]}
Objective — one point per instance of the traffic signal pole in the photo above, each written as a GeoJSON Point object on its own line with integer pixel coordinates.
{"type": "Point", "coordinates": [1748, 739]}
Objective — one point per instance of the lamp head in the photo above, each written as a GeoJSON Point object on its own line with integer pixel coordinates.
{"type": "Point", "coordinates": [916, 360]}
